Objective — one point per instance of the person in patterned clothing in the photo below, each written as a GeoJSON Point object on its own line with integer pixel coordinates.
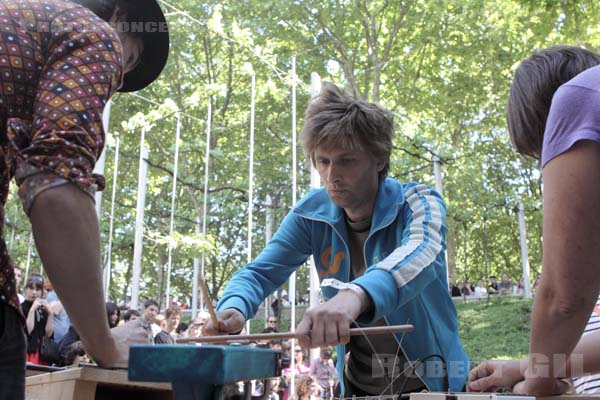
{"type": "Point", "coordinates": [60, 62]}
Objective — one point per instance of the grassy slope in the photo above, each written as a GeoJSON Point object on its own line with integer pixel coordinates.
{"type": "Point", "coordinates": [498, 329]}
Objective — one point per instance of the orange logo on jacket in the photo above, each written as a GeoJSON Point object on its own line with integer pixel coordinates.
{"type": "Point", "coordinates": [331, 267]}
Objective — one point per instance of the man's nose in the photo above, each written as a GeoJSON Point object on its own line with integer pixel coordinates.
{"type": "Point", "coordinates": [332, 173]}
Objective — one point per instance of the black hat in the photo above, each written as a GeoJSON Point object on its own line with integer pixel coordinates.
{"type": "Point", "coordinates": [148, 19]}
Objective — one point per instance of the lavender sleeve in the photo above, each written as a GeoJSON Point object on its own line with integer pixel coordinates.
{"type": "Point", "coordinates": [574, 116]}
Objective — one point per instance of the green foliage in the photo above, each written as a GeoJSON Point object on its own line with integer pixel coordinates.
{"type": "Point", "coordinates": [442, 67]}
{"type": "Point", "coordinates": [495, 329]}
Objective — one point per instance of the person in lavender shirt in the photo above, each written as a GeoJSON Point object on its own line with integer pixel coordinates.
{"type": "Point", "coordinates": [554, 115]}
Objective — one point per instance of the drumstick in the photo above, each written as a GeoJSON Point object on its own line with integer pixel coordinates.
{"type": "Point", "coordinates": [209, 306]}
{"type": "Point", "coordinates": [375, 330]}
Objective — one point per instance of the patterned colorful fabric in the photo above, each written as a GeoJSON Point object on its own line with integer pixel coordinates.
{"type": "Point", "coordinates": [59, 65]}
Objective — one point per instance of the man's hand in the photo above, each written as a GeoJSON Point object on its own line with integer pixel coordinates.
{"type": "Point", "coordinates": [492, 375]}
{"type": "Point", "coordinates": [329, 323]}
{"type": "Point", "coordinates": [116, 353]}
{"type": "Point", "coordinates": [231, 320]}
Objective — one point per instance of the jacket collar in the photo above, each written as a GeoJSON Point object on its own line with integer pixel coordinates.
{"type": "Point", "coordinates": [318, 205]}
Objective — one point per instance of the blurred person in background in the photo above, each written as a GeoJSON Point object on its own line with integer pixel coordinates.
{"type": "Point", "coordinates": [40, 320]}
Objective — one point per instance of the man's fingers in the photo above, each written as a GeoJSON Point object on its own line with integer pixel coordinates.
{"type": "Point", "coordinates": [332, 336]}
{"type": "Point", "coordinates": [228, 321]}
{"type": "Point", "coordinates": [474, 374]}
{"type": "Point", "coordinates": [317, 335]}
{"type": "Point", "coordinates": [485, 384]}
{"type": "Point", "coordinates": [343, 332]}
{"type": "Point", "coordinates": [303, 334]}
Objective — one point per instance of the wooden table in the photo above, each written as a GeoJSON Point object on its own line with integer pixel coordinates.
{"type": "Point", "coordinates": [200, 372]}
{"type": "Point", "coordinates": [92, 383]}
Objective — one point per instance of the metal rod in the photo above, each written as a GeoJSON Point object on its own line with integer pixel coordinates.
{"type": "Point", "coordinates": [172, 220]}
{"type": "Point", "coordinates": [139, 222]}
{"type": "Point", "coordinates": [375, 330]}
{"type": "Point", "coordinates": [205, 196]}
{"type": "Point", "coordinates": [108, 266]}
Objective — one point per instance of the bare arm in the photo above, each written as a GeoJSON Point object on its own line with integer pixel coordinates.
{"type": "Point", "coordinates": [56, 307]}
{"type": "Point", "coordinates": [491, 375]}
{"type": "Point", "coordinates": [585, 359]}
{"type": "Point", "coordinates": [66, 234]}
{"type": "Point", "coordinates": [569, 286]}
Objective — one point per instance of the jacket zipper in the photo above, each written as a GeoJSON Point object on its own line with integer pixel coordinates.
{"type": "Point", "coordinates": [348, 279]}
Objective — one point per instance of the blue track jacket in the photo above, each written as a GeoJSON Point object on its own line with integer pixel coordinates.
{"type": "Point", "coordinates": [405, 276]}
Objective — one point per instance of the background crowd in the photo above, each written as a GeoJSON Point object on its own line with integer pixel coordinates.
{"type": "Point", "coordinates": [53, 341]}
{"type": "Point", "coordinates": [505, 286]}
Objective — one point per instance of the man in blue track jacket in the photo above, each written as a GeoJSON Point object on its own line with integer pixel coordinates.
{"type": "Point", "coordinates": [379, 247]}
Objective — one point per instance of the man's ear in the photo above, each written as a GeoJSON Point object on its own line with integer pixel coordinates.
{"type": "Point", "coordinates": [380, 166]}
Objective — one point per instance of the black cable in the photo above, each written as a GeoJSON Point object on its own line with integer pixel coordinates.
{"type": "Point", "coordinates": [418, 363]}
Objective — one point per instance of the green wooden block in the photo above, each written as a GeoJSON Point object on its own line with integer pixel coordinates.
{"type": "Point", "coordinates": [210, 365]}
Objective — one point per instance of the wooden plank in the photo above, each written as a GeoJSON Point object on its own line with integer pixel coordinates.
{"type": "Point", "coordinates": [93, 374]}
{"type": "Point", "coordinates": [63, 390]}
{"type": "Point", "coordinates": [118, 377]}
{"type": "Point", "coordinates": [213, 365]}
{"type": "Point", "coordinates": [93, 383]}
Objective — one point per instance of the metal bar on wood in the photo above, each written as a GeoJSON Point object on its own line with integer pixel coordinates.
{"type": "Point", "coordinates": [375, 330]}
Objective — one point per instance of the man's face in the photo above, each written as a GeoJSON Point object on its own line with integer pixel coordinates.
{"type": "Point", "coordinates": [351, 178]}
{"type": "Point", "coordinates": [150, 313]}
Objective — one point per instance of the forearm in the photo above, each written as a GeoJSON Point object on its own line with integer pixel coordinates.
{"type": "Point", "coordinates": [558, 321]}
{"type": "Point", "coordinates": [569, 287]}
{"type": "Point", "coordinates": [65, 228]}
{"type": "Point", "coordinates": [585, 358]}
{"type": "Point", "coordinates": [56, 307]}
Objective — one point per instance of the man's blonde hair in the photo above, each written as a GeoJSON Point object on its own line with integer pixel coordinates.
{"type": "Point", "coordinates": [335, 119]}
